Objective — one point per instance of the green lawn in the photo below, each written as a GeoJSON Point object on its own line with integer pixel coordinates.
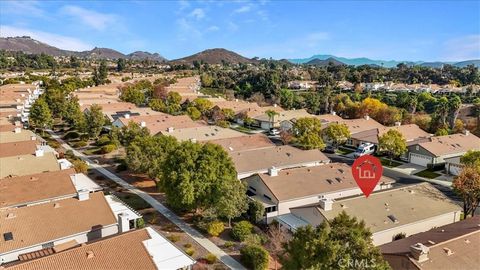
{"type": "Point", "coordinates": [243, 129]}
{"type": "Point", "coordinates": [133, 201]}
{"type": "Point", "coordinates": [344, 151]}
{"type": "Point", "coordinates": [92, 151]}
{"type": "Point", "coordinates": [428, 174]}
{"type": "Point", "coordinates": [386, 162]}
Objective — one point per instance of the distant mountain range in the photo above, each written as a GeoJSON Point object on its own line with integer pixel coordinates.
{"type": "Point", "coordinates": [367, 61]}
{"type": "Point", "coordinates": [29, 45]}
{"type": "Point", "coordinates": [210, 56]}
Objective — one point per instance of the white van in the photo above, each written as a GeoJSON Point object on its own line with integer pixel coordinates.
{"type": "Point", "coordinates": [364, 149]}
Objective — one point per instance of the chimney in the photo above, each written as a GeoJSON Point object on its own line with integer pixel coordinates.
{"type": "Point", "coordinates": [143, 124]}
{"type": "Point", "coordinates": [170, 129]}
{"type": "Point", "coordinates": [466, 132]}
{"type": "Point", "coordinates": [275, 105]}
{"type": "Point", "coordinates": [397, 124]}
{"type": "Point", "coordinates": [334, 113]}
{"type": "Point", "coordinates": [33, 138]}
{"type": "Point", "coordinates": [326, 204]}
{"type": "Point", "coordinates": [273, 171]}
{"type": "Point", "coordinates": [123, 223]}
{"type": "Point", "coordinates": [39, 153]}
{"type": "Point", "coordinates": [127, 116]}
{"type": "Point", "coordinates": [419, 252]}
{"type": "Point", "coordinates": [18, 130]}
{"type": "Point", "coordinates": [193, 140]}
{"type": "Point", "coordinates": [366, 117]}
{"type": "Point", "coordinates": [83, 194]}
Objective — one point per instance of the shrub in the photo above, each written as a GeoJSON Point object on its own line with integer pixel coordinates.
{"type": "Point", "coordinates": [255, 211]}
{"type": "Point", "coordinates": [223, 123]}
{"type": "Point", "coordinates": [140, 223]}
{"type": "Point", "coordinates": [174, 238]}
{"type": "Point", "coordinates": [211, 258]}
{"type": "Point", "coordinates": [84, 137]}
{"type": "Point", "coordinates": [215, 228]}
{"type": "Point", "coordinates": [79, 144]}
{"type": "Point", "coordinates": [54, 144]}
{"type": "Point", "coordinates": [256, 239]}
{"type": "Point", "coordinates": [187, 245]}
{"type": "Point", "coordinates": [229, 244]}
{"type": "Point", "coordinates": [254, 257]}
{"type": "Point", "coordinates": [71, 135]}
{"type": "Point", "coordinates": [121, 167]}
{"type": "Point", "coordinates": [399, 236]}
{"type": "Point", "coordinates": [69, 154]}
{"type": "Point", "coordinates": [241, 230]}
{"type": "Point", "coordinates": [80, 166]}
{"type": "Point", "coordinates": [190, 251]}
{"type": "Point", "coordinates": [103, 140]}
{"type": "Point", "coordinates": [108, 148]}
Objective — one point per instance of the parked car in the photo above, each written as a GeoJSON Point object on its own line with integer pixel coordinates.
{"type": "Point", "coordinates": [274, 132]}
{"type": "Point", "coordinates": [329, 149]}
{"type": "Point", "coordinates": [364, 149]}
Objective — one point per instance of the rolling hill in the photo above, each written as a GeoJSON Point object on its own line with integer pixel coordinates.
{"type": "Point", "coordinates": [326, 62]}
{"type": "Point", "coordinates": [214, 56]}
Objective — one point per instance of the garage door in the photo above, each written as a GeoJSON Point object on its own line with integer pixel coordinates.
{"type": "Point", "coordinates": [455, 170]}
{"type": "Point", "coordinates": [420, 159]}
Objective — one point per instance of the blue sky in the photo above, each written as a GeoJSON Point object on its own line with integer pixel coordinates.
{"type": "Point", "coordinates": [399, 30]}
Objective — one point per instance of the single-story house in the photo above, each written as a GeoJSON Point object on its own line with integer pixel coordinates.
{"type": "Point", "coordinates": [265, 122]}
{"type": "Point", "coordinates": [360, 125]}
{"type": "Point", "coordinates": [158, 124]}
{"type": "Point", "coordinates": [139, 249]}
{"type": "Point", "coordinates": [279, 191]}
{"type": "Point", "coordinates": [72, 221]}
{"type": "Point", "coordinates": [434, 151]}
{"type": "Point", "coordinates": [407, 210]}
{"type": "Point", "coordinates": [453, 246]}
{"type": "Point", "coordinates": [249, 162]}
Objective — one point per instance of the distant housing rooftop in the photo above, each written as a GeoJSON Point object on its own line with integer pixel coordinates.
{"type": "Point", "coordinates": [27, 164]}
{"type": "Point", "coordinates": [204, 133]}
{"type": "Point", "coordinates": [23, 135]}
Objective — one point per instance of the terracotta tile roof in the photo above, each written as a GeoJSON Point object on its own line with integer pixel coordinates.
{"type": "Point", "coordinates": [361, 124]}
{"type": "Point", "coordinates": [36, 187]}
{"type": "Point", "coordinates": [17, 148]}
{"type": "Point", "coordinates": [7, 127]}
{"type": "Point", "coordinates": [451, 144]}
{"type": "Point", "coordinates": [257, 160]}
{"type": "Point", "coordinates": [249, 142]}
{"type": "Point", "coordinates": [161, 122]}
{"type": "Point", "coordinates": [45, 222]}
{"type": "Point", "coordinates": [309, 181]}
{"type": "Point", "coordinates": [124, 251]}
{"type": "Point", "coordinates": [27, 164]}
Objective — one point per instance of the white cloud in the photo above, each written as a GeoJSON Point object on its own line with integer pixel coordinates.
{"type": "Point", "coordinates": [29, 8]}
{"type": "Point", "coordinates": [243, 9]}
{"type": "Point", "coordinates": [213, 28]}
{"type": "Point", "coordinates": [59, 41]}
{"type": "Point", "coordinates": [462, 48]}
{"type": "Point", "coordinates": [197, 13]}
{"type": "Point", "coordinates": [183, 4]}
{"type": "Point", "coordinates": [94, 19]}
{"type": "Point", "coordinates": [313, 39]}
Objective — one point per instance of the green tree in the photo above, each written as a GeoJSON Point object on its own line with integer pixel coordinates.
{"type": "Point", "coordinates": [255, 211]}
{"type": "Point", "coordinates": [95, 120]}
{"type": "Point", "coordinates": [471, 158]}
{"type": "Point", "coordinates": [254, 257]}
{"type": "Point", "coordinates": [287, 99]}
{"type": "Point", "coordinates": [337, 133]}
{"type": "Point", "coordinates": [199, 176]}
{"type": "Point", "coordinates": [194, 113]}
{"type": "Point", "coordinates": [467, 186]}
{"type": "Point", "coordinates": [393, 143]}
{"type": "Point", "coordinates": [241, 230]}
{"type": "Point", "coordinates": [308, 133]}
{"type": "Point", "coordinates": [442, 132]}
{"type": "Point", "coordinates": [40, 114]}
{"type": "Point", "coordinates": [271, 116]}
{"type": "Point", "coordinates": [326, 248]}
{"type": "Point", "coordinates": [121, 64]}
{"type": "Point", "coordinates": [233, 201]}
{"type": "Point", "coordinates": [203, 105]}
{"type": "Point", "coordinates": [454, 105]}
{"type": "Point", "coordinates": [441, 112]}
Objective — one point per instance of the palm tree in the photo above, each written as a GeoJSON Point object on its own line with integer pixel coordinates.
{"type": "Point", "coordinates": [441, 110]}
{"type": "Point", "coordinates": [454, 105]}
{"type": "Point", "coordinates": [271, 116]}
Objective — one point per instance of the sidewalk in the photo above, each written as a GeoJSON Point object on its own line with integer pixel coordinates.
{"type": "Point", "coordinates": [197, 236]}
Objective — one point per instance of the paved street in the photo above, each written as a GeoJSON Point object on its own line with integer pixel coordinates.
{"type": "Point", "coordinates": [197, 236]}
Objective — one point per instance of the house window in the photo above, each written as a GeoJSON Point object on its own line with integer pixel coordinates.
{"type": "Point", "coordinates": [267, 197]}
{"type": "Point", "coordinates": [270, 209]}
{"type": "Point", "coordinates": [417, 147]}
{"type": "Point", "coordinates": [47, 245]}
{"type": "Point", "coordinates": [252, 188]}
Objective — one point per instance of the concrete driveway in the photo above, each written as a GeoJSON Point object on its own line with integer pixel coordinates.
{"type": "Point", "coordinates": [409, 168]}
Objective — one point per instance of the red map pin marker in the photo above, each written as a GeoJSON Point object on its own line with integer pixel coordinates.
{"type": "Point", "coordinates": [367, 171]}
